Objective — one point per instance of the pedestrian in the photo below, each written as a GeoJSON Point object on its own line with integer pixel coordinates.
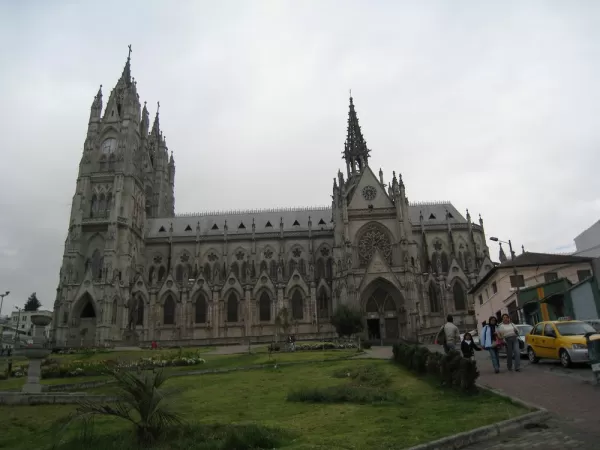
{"type": "Point", "coordinates": [489, 341]}
{"type": "Point", "coordinates": [448, 336]}
{"type": "Point", "coordinates": [468, 347]}
{"type": "Point", "coordinates": [510, 335]}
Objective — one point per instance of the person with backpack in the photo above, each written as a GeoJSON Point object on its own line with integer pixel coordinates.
{"type": "Point", "coordinates": [449, 335]}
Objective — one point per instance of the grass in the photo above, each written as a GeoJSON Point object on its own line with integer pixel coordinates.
{"type": "Point", "coordinates": [425, 413]}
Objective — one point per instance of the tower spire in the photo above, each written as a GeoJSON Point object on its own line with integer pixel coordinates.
{"type": "Point", "coordinates": [156, 124]}
{"type": "Point", "coordinates": [356, 152]}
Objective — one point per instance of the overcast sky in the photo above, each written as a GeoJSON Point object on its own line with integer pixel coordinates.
{"type": "Point", "coordinates": [492, 105]}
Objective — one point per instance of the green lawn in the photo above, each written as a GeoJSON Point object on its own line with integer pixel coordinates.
{"type": "Point", "coordinates": [426, 413]}
{"type": "Point", "coordinates": [258, 356]}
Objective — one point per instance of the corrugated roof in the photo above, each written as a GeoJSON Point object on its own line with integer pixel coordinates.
{"type": "Point", "coordinates": [294, 219]}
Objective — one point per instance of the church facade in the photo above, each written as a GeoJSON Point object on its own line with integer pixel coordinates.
{"type": "Point", "coordinates": [133, 270]}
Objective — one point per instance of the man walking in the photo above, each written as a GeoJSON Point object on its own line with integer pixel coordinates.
{"type": "Point", "coordinates": [449, 335]}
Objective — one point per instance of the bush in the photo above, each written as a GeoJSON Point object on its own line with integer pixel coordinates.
{"type": "Point", "coordinates": [365, 345]}
{"type": "Point", "coordinates": [371, 375]}
{"type": "Point", "coordinates": [342, 394]}
{"type": "Point", "coordinates": [451, 369]}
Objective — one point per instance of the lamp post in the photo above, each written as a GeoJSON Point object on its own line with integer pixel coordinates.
{"type": "Point", "coordinates": [514, 264]}
{"type": "Point", "coordinates": [2, 301]}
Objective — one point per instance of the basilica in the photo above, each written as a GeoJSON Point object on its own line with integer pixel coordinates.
{"type": "Point", "coordinates": [133, 271]}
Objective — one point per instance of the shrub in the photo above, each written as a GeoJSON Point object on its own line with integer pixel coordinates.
{"type": "Point", "coordinates": [451, 369]}
{"type": "Point", "coordinates": [366, 345]}
{"type": "Point", "coordinates": [342, 394]}
{"type": "Point", "coordinates": [347, 321]}
{"type": "Point", "coordinates": [371, 375]}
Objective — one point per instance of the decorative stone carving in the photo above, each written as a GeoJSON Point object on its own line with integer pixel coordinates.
{"type": "Point", "coordinates": [325, 251]}
{"type": "Point", "coordinates": [373, 239]}
{"type": "Point", "coordinates": [157, 259]}
{"type": "Point", "coordinates": [239, 255]}
{"type": "Point", "coordinates": [268, 253]}
{"type": "Point", "coordinates": [185, 258]}
{"type": "Point", "coordinates": [169, 283]}
{"type": "Point", "coordinates": [263, 280]}
{"type": "Point", "coordinates": [212, 257]}
{"type": "Point", "coordinates": [232, 281]}
{"type": "Point", "coordinates": [297, 252]}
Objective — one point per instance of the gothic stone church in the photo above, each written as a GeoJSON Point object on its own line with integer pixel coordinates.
{"type": "Point", "coordinates": [133, 269]}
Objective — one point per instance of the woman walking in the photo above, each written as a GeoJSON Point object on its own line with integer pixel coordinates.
{"type": "Point", "coordinates": [489, 337]}
{"type": "Point", "coordinates": [509, 333]}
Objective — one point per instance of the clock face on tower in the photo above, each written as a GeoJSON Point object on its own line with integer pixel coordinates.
{"type": "Point", "coordinates": [369, 193]}
{"type": "Point", "coordinates": [109, 146]}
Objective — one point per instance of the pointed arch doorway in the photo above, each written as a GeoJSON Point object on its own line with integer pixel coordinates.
{"type": "Point", "coordinates": [383, 306]}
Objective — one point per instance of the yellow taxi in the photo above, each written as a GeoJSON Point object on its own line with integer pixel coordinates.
{"type": "Point", "coordinates": [561, 340]}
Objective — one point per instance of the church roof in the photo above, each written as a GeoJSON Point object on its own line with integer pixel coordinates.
{"type": "Point", "coordinates": [268, 220]}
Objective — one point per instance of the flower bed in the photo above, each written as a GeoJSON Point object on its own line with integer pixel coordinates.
{"type": "Point", "coordinates": [451, 370]}
{"type": "Point", "coordinates": [313, 346]}
{"type": "Point", "coordinates": [52, 368]}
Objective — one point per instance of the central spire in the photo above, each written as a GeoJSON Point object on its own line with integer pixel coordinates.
{"type": "Point", "coordinates": [356, 152]}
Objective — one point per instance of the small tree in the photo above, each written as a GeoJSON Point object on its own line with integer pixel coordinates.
{"type": "Point", "coordinates": [282, 321]}
{"type": "Point", "coordinates": [32, 303]}
{"type": "Point", "coordinates": [347, 321]}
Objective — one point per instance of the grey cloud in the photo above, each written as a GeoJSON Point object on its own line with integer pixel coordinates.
{"type": "Point", "coordinates": [492, 106]}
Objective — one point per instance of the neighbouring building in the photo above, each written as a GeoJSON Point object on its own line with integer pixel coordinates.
{"type": "Point", "coordinates": [133, 269]}
{"type": "Point", "coordinates": [587, 243]}
{"type": "Point", "coordinates": [496, 291]}
{"type": "Point", "coordinates": [560, 298]}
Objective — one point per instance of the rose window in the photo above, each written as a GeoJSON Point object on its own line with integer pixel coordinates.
{"type": "Point", "coordinates": [369, 193]}
{"type": "Point", "coordinates": [374, 239]}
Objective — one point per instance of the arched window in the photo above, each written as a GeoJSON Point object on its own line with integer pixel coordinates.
{"type": "Point", "coordinates": [263, 267]}
{"type": "Point", "coordinates": [151, 275]}
{"type": "Point", "coordinates": [434, 302]}
{"type": "Point", "coordinates": [114, 311]}
{"type": "Point", "coordinates": [264, 307]}
{"type": "Point", "coordinates": [96, 265]}
{"type": "Point", "coordinates": [460, 300]}
{"type": "Point", "coordinates": [323, 306]}
{"type": "Point", "coordinates": [179, 273]}
{"type": "Point", "coordinates": [232, 308]}
{"type": "Point", "coordinates": [244, 269]}
{"type": "Point", "coordinates": [302, 267]}
{"type": "Point", "coordinates": [189, 272]}
{"type": "Point", "coordinates": [102, 205]}
{"type": "Point", "coordinates": [108, 201]}
{"type": "Point", "coordinates": [273, 270]}
{"type": "Point", "coordinates": [235, 270]}
{"type": "Point", "coordinates": [140, 312]}
{"type": "Point", "coordinates": [320, 269]}
{"type": "Point", "coordinates": [207, 272]}
{"type": "Point", "coordinates": [169, 311]}
{"type": "Point", "coordinates": [297, 305]}
{"type": "Point", "coordinates": [329, 269]}
{"type": "Point", "coordinates": [148, 201]}
{"type": "Point", "coordinates": [200, 309]}
{"type": "Point", "coordinates": [291, 266]}
{"type": "Point", "coordinates": [93, 205]}
{"type": "Point", "coordinates": [161, 273]}
{"type": "Point", "coordinates": [445, 265]}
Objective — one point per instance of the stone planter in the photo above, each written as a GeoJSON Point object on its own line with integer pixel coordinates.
{"type": "Point", "coordinates": [35, 351]}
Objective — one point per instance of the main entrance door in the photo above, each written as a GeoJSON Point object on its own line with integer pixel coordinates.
{"type": "Point", "coordinates": [382, 310]}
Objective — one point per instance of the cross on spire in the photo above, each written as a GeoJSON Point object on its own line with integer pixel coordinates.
{"type": "Point", "coordinates": [129, 54]}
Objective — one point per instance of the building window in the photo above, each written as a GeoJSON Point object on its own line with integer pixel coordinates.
{"type": "Point", "coordinates": [460, 298]}
{"type": "Point", "coordinates": [517, 281]}
{"type": "Point", "coordinates": [169, 311]}
{"type": "Point", "coordinates": [494, 287]}
{"type": "Point", "coordinates": [232, 308]}
{"type": "Point", "coordinates": [264, 307]}
{"type": "Point", "coordinates": [200, 310]}
{"type": "Point", "coordinates": [297, 306]}
{"type": "Point", "coordinates": [550, 276]}
{"type": "Point", "coordinates": [583, 274]}
{"type": "Point", "coordinates": [480, 299]}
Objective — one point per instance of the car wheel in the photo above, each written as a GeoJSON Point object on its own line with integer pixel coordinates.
{"type": "Point", "coordinates": [565, 359]}
{"type": "Point", "coordinates": [532, 357]}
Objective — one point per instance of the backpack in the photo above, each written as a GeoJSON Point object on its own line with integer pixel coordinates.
{"type": "Point", "coordinates": [441, 337]}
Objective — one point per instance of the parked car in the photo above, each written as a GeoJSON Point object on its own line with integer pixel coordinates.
{"type": "Point", "coordinates": [523, 329]}
{"type": "Point", "coordinates": [595, 323]}
{"type": "Point", "coordinates": [561, 340]}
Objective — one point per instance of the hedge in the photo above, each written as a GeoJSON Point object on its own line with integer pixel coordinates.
{"type": "Point", "coordinates": [451, 369]}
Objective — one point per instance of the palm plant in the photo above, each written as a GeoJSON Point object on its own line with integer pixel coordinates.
{"type": "Point", "coordinates": [140, 401]}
